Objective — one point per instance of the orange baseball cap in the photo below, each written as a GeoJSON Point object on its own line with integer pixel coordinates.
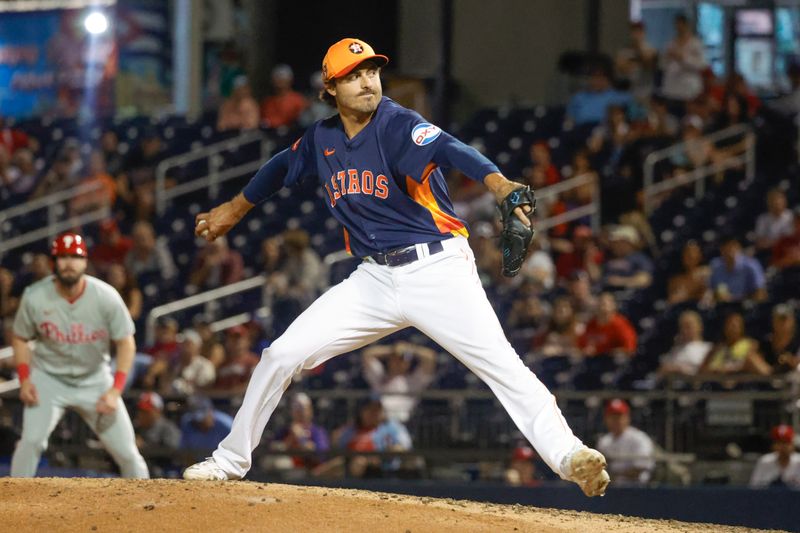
{"type": "Point", "coordinates": [346, 55]}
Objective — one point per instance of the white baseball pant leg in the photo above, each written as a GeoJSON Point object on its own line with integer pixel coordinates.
{"type": "Point", "coordinates": [442, 296]}
{"type": "Point", "coordinates": [357, 311]}
{"type": "Point", "coordinates": [114, 430]}
{"type": "Point", "coordinates": [38, 422]}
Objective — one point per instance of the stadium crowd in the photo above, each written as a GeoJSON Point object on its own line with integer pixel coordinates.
{"type": "Point", "coordinates": [640, 301]}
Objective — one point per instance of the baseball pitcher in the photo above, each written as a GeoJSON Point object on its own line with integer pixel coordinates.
{"type": "Point", "coordinates": [379, 164]}
{"type": "Point", "coordinates": [73, 317]}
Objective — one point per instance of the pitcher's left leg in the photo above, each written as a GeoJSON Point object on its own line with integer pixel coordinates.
{"type": "Point", "coordinates": [443, 297]}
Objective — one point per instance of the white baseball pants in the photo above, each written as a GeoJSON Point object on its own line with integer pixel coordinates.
{"type": "Point", "coordinates": [441, 295]}
{"type": "Point", "coordinates": [114, 430]}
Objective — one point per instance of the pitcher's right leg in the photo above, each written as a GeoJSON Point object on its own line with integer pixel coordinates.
{"type": "Point", "coordinates": [356, 312]}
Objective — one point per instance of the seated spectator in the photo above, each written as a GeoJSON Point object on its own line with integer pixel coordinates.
{"type": "Point", "coordinates": [538, 266]}
{"type": "Point", "coordinates": [40, 267]}
{"type": "Point", "coordinates": [786, 252]}
{"type": "Point", "coordinates": [165, 347]}
{"type": "Point", "coordinates": [302, 434]}
{"type": "Point", "coordinates": [109, 144]}
{"type": "Point", "coordinates": [148, 255]}
{"type": "Point", "coordinates": [610, 137]}
{"type": "Point", "coordinates": [583, 301]}
{"type": "Point", "coordinates": [628, 450]}
{"type": "Point", "coordinates": [113, 246]}
{"type": "Point", "coordinates": [190, 371]}
{"type": "Point", "coordinates": [776, 223]}
{"type": "Point", "coordinates": [781, 468]}
{"type": "Point", "coordinates": [105, 192]}
{"type": "Point", "coordinates": [216, 265]}
{"type": "Point", "coordinates": [373, 432]}
{"type": "Point", "coordinates": [22, 175]}
{"type": "Point", "coordinates": [387, 370]}
{"type": "Point", "coordinates": [561, 337]}
{"type": "Point", "coordinates": [542, 171]}
{"type": "Point", "coordinates": [783, 342]}
{"type": "Point", "coordinates": [317, 109]}
{"type": "Point", "coordinates": [296, 280]}
{"type": "Point", "coordinates": [125, 284]}
{"type": "Point", "coordinates": [735, 276]}
{"type": "Point", "coordinates": [285, 105]}
{"type": "Point", "coordinates": [691, 284]}
{"type": "Point", "coordinates": [211, 348]}
{"type": "Point", "coordinates": [660, 122]}
{"type": "Point", "coordinates": [697, 151]}
{"type": "Point", "coordinates": [240, 110]}
{"type": "Point", "coordinates": [589, 106]}
{"type": "Point", "coordinates": [203, 427]}
{"type": "Point", "coordinates": [521, 471]}
{"type": "Point", "coordinates": [736, 353]}
{"type": "Point", "coordinates": [235, 371]}
{"type": "Point", "coordinates": [627, 268]}
{"type": "Point", "coordinates": [689, 350]}
{"type": "Point", "coordinates": [58, 178]}
{"type": "Point", "coordinates": [136, 183]}
{"type": "Point", "coordinates": [14, 139]}
{"type": "Point", "coordinates": [583, 255]}
{"type": "Point", "coordinates": [528, 310]}
{"type": "Point", "coordinates": [608, 332]}
{"type": "Point", "coordinates": [153, 429]}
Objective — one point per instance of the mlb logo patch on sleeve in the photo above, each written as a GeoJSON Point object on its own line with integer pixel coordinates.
{"type": "Point", "coordinates": [425, 133]}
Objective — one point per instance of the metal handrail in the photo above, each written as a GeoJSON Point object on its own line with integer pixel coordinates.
{"type": "Point", "coordinates": [699, 174]}
{"type": "Point", "coordinates": [197, 299]}
{"type": "Point", "coordinates": [50, 199]}
{"type": "Point", "coordinates": [214, 177]}
{"type": "Point", "coordinates": [53, 229]}
{"type": "Point", "coordinates": [592, 209]}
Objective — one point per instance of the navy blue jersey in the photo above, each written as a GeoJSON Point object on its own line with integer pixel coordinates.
{"type": "Point", "coordinates": [384, 185]}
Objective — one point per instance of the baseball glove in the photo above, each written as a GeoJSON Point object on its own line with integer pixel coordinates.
{"type": "Point", "coordinates": [516, 236]}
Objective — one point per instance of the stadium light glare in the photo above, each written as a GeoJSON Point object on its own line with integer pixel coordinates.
{"type": "Point", "coordinates": [95, 23]}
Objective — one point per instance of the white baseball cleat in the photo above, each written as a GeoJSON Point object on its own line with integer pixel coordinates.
{"type": "Point", "coordinates": [587, 468]}
{"type": "Point", "coordinates": [207, 470]}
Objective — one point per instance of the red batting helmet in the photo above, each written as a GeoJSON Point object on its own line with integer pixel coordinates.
{"type": "Point", "coordinates": [69, 244]}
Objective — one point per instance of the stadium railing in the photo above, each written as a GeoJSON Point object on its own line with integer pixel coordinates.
{"type": "Point", "coordinates": [589, 210]}
{"type": "Point", "coordinates": [215, 176]}
{"type": "Point", "coordinates": [698, 175]}
{"type": "Point", "coordinates": [55, 204]}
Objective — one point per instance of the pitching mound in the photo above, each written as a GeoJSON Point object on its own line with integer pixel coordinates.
{"type": "Point", "coordinates": [65, 505]}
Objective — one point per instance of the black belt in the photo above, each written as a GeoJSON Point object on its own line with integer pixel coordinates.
{"type": "Point", "coordinates": [404, 256]}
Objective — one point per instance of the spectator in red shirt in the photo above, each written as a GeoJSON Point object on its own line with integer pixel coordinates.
{"type": "Point", "coordinates": [542, 171]}
{"type": "Point", "coordinates": [216, 265]}
{"type": "Point", "coordinates": [14, 139]}
{"type": "Point", "coordinates": [608, 332]}
{"type": "Point", "coordinates": [113, 246]}
{"type": "Point", "coordinates": [786, 252]}
{"type": "Point", "coordinates": [584, 256]}
{"type": "Point", "coordinates": [285, 105]}
{"type": "Point", "coordinates": [235, 371]}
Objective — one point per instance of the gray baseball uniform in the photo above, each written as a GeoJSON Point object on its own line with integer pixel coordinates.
{"type": "Point", "coordinates": [70, 369]}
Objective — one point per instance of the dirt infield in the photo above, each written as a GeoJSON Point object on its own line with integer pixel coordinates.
{"type": "Point", "coordinates": [66, 505]}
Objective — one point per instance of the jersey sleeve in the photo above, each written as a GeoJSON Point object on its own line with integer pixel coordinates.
{"type": "Point", "coordinates": [285, 168]}
{"type": "Point", "coordinates": [120, 323]}
{"type": "Point", "coordinates": [24, 323]}
{"type": "Point", "coordinates": [416, 145]}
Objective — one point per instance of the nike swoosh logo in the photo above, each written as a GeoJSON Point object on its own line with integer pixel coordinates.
{"type": "Point", "coordinates": [328, 151]}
